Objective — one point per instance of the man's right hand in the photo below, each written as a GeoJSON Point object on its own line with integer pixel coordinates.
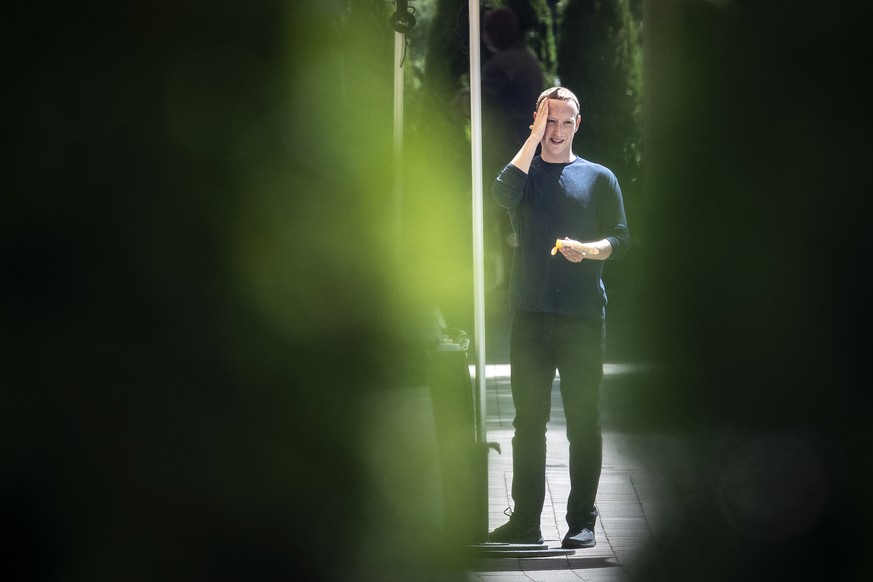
{"type": "Point", "coordinates": [528, 149]}
{"type": "Point", "coordinates": [541, 119]}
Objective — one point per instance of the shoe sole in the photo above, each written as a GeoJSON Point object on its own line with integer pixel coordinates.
{"type": "Point", "coordinates": [577, 546]}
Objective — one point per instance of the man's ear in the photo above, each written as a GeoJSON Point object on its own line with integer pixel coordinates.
{"type": "Point", "coordinates": [578, 123]}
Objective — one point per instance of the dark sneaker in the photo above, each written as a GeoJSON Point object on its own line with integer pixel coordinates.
{"type": "Point", "coordinates": [510, 533]}
{"type": "Point", "coordinates": [579, 539]}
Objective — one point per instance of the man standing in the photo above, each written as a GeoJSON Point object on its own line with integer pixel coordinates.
{"type": "Point", "coordinates": [561, 203]}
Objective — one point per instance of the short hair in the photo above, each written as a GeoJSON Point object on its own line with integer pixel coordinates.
{"type": "Point", "coordinates": [561, 93]}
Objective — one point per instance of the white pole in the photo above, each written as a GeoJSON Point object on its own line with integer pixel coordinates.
{"type": "Point", "coordinates": [399, 46]}
{"type": "Point", "coordinates": [478, 237]}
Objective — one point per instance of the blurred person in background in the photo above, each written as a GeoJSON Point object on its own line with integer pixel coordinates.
{"type": "Point", "coordinates": [512, 78]}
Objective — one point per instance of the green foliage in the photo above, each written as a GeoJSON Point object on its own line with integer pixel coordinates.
{"type": "Point", "coordinates": [600, 58]}
{"type": "Point", "coordinates": [446, 56]}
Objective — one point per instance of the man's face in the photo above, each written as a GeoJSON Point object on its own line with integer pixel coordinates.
{"type": "Point", "coordinates": [563, 121]}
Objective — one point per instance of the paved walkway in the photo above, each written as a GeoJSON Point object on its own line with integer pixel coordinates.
{"type": "Point", "coordinates": [631, 498]}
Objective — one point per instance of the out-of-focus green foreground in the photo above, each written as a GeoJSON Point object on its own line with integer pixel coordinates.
{"type": "Point", "coordinates": [219, 297]}
{"type": "Point", "coordinates": [218, 293]}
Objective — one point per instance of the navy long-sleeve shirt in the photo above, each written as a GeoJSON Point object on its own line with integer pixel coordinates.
{"type": "Point", "coordinates": [580, 200]}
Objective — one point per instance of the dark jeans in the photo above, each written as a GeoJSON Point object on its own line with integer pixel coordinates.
{"type": "Point", "coordinates": [540, 344]}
